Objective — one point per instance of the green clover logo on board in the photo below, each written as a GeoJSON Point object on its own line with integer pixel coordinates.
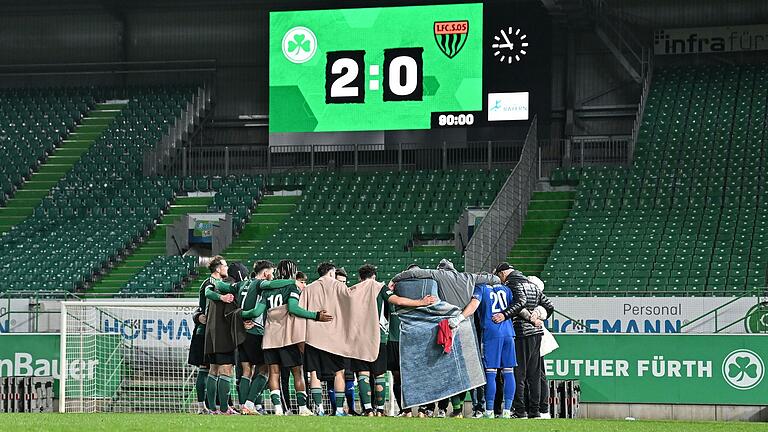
{"type": "Point", "coordinates": [756, 320]}
{"type": "Point", "coordinates": [299, 44]}
{"type": "Point", "coordinates": [743, 369]}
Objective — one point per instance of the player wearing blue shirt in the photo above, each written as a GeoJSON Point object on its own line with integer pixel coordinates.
{"type": "Point", "coordinates": [498, 345]}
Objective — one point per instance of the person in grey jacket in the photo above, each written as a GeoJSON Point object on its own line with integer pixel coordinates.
{"type": "Point", "coordinates": [528, 332]}
{"type": "Point", "coordinates": [452, 287]}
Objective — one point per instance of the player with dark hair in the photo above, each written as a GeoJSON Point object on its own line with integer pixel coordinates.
{"type": "Point", "coordinates": [349, 375]}
{"type": "Point", "coordinates": [275, 294]}
{"type": "Point", "coordinates": [301, 280]}
{"type": "Point", "coordinates": [323, 365]}
{"type": "Point", "coordinates": [255, 372]}
{"type": "Point", "coordinates": [197, 355]}
{"type": "Point", "coordinates": [301, 283]}
{"type": "Point", "coordinates": [287, 269]}
{"type": "Point", "coordinates": [378, 367]}
{"type": "Point", "coordinates": [341, 275]}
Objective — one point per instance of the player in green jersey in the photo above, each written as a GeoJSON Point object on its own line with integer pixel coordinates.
{"type": "Point", "coordinates": [197, 355]}
{"type": "Point", "coordinates": [349, 374]}
{"type": "Point", "coordinates": [255, 371]}
{"type": "Point", "coordinates": [274, 294]}
{"type": "Point", "coordinates": [219, 379]}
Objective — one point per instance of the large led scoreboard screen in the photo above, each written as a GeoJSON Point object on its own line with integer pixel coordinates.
{"type": "Point", "coordinates": [395, 68]}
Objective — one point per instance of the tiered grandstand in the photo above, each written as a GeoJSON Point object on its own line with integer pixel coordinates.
{"type": "Point", "coordinates": [689, 217]}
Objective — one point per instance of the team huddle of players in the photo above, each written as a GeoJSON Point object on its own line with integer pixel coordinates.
{"type": "Point", "coordinates": [222, 345]}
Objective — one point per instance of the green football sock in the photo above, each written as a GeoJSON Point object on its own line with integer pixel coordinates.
{"type": "Point", "coordinates": [255, 393]}
{"type": "Point", "coordinates": [301, 398]}
{"type": "Point", "coordinates": [339, 399]}
{"type": "Point", "coordinates": [200, 384]}
{"type": "Point", "coordinates": [243, 389]}
{"type": "Point", "coordinates": [457, 400]}
{"type": "Point", "coordinates": [381, 385]}
{"type": "Point", "coordinates": [225, 385]}
{"type": "Point", "coordinates": [365, 391]}
{"type": "Point", "coordinates": [317, 396]}
{"type": "Point", "coordinates": [274, 396]}
{"type": "Point", "coordinates": [210, 391]}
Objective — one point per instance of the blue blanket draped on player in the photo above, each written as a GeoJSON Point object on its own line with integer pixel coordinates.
{"type": "Point", "coordinates": [428, 374]}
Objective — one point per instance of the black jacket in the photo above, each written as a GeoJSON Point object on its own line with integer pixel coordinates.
{"type": "Point", "coordinates": [224, 331]}
{"type": "Point", "coordinates": [526, 298]}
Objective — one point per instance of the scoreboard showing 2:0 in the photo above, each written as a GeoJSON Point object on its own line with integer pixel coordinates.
{"type": "Point", "coordinates": [374, 69]}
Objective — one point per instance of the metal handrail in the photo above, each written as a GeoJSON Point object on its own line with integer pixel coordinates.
{"type": "Point", "coordinates": [747, 293]}
{"type": "Point", "coordinates": [488, 241]}
{"type": "Point", "coordinates": [108, 68]}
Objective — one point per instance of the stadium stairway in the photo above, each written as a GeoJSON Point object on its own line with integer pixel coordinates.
{"type": "Point", "coordinates": [64, 157]}
{"type": "Point", "coordinates": [547, 213]}
{"type": "Point", "coordinates": [151, 248]}
{"type": "Point", "coordinates": [269, 214]}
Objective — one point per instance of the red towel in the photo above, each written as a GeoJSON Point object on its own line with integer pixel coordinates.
{"type": "Point", "coordinates": [445, 336]}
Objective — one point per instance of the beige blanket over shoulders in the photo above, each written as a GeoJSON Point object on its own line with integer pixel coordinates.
{"type": "Point", "coordinates": [354, 331]}
{"type": "Point", "coordinates": [282, 329]}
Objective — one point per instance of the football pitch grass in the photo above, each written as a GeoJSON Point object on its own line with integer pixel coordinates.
{"type": "Point", "coordinates": [191, 423]}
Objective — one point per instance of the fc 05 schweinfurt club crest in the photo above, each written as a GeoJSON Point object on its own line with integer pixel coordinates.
{"type": "Point", "coordinates": [451, 36]}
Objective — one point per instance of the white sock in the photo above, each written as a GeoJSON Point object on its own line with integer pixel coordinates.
{"type": "Point", "coordinates": [258, 407]}
{"type": "Point", "coordinates": [339, 410]}
{"type": "Point", "coordinates": [278, 409]}
{"type": "Point", "coordinates": [249, 405]}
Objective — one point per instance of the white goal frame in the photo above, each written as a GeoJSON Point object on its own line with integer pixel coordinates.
{"type": "Point", "coordinates": [68, 333]}
{"type": "Point", "coordinates": [66, 306]}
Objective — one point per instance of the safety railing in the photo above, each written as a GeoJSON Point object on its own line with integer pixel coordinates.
{"type": "Point", "coordinates": [587, 151]}
{"type": "Point", "coordinates": [23, 311]}
{"type": "Point", "coordinates": [760, 298]}
{"type": "Point", "coordinates": [226, 160]}
{"type": "Point", "coordinates": [501, 226]}
{"type": "Point", "coordinates": [583, 151]}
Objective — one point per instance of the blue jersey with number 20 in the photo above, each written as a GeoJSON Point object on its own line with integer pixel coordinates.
{"type": "Point", "coordinates": [494, 299]}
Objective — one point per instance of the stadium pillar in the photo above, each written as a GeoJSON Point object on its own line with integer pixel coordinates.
{"type": "Point", "coordinates": [538, 154]}
{"type": "Point", "coordinates": [312, 157]}
{"type": "Point", "coordinates": [226, 161]}
{"type": "Point", "coordinates": [445, 156]}
{"type": "Point", "coordinates": [490, 155]}
{"type": "Point", "coordinates": [570, 97]}
{"type": "Point", "coordinates": [184, 160]}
